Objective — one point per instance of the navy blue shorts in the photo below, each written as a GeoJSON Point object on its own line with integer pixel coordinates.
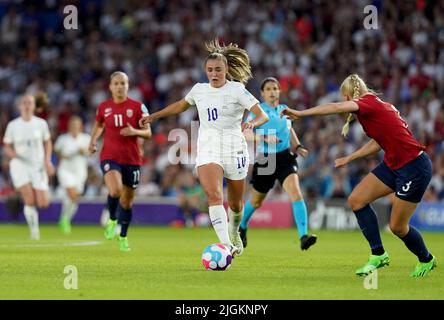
{"type": "Point", "coordinates": [286, 164]}
{"type": "Point", "coordinates": [130, 173]}
{"type": "Point", "coordinates": [409, 182]}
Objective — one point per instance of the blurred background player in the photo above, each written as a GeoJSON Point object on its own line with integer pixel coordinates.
{"type": "Point", "coordinates": [405, 170]}
{"type": "Point", "coordinates": [41, 105]}
{"type": "Point", "coordinates": [278, 138]}
{"type": "Point", "coordinates": [222, 149]}
{"type": "Point", "coordinates": [72, 152]}
{"type": "Point", "coordinates": [27, 143]}
{"type": "Point", "coordinates": [121, 156]}
{"type": "Point", "coordinates": [190, 196]}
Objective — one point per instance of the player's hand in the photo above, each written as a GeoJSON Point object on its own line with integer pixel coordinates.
{"type": "Point", "coordinates": [83, 152]}
{"type": "Point", "coordinates": [271, 139]}
{"type": "Point", "coordinates": [339, 163]}
{"type": "Point", "coordinates": [128, 131]}
{"type": "Point", "coordinates": [302, 152]}
{"type": "Point", "coordinates": [92, 148]}
{"type": "Point", "coordinates": [291, 114]}
{"type": "Point", "coordinates": [247, 126]}
{"type": "Point", "coordinates": [145, 120]}
{"type": "Point", "coordinates": [50, 170]}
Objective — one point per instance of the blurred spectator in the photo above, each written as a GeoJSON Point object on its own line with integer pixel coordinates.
{"type": "Point", "coordinates": [310, 46]}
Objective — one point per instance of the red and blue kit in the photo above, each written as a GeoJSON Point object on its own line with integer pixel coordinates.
{"type": "Point", "coordinates": [116, 116]}
{"type": "Point", "coordinates": [382, 122]}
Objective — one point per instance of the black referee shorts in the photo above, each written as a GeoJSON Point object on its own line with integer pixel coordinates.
{"type": "Point", "coordinates": [263, 179]}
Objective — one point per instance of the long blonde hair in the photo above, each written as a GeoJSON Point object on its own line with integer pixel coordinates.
{"type": "Point", "coordinates": [354, 87]}
{"type": "Point", "coordinates": [235, 59]}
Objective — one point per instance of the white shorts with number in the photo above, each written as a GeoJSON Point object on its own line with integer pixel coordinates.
{"type": "Point", "coordinates": [71, 179]}
{"type": "Point", "coordinates": [23, 173]}
{"type": "Point", "coordinates": [235, 166]}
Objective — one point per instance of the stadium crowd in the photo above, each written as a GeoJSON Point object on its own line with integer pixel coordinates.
{"type": "Point", "coordinates": [309, 46]}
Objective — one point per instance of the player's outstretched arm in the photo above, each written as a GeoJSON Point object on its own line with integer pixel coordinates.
{"type": "Point", "coordinates": [260, 118]}
{"type": "Point", "coordinates": [144, 132]}
{"type": "Point", "coordinates": [96, 132]}
{"type": "Point", "coordinates": [170, 110]}
{"type": "Point", "coordinates": [322, 110]}
{"type": "Point", "coordinates": [369, 148]}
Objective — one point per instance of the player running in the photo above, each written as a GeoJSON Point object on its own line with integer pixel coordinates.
{"type": "Point", "coordinates": [406, 170]}
{"type": "Point", "coordinates": [221, 146]}
{"type": "Point", "coordinates": [28, 144]}
{"type": "Point", "coordinates": [277, 136]}
{"type": "Point", "coordinates": [72, 151]}
{"type": "Point", "coordinates": [121, 156]}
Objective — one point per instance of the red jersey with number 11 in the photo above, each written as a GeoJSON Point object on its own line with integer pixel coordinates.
{"type": "Point", "coordinates": [115, 117]}
{"type": "Point", "coordinates": [382, 122]}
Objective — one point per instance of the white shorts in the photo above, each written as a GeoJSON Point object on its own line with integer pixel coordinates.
{"type": "Point", "coordinates": [235, 166]}
{"type": "Point", "coordinates": [69, 179]}
{"type": "Point", "coordinates": [23, 173]}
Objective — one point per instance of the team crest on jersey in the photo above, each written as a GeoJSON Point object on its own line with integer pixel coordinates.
{"type": "Point", "coordinates": [129, 113]}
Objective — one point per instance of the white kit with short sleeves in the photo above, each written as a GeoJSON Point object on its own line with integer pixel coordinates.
{"type": "Point", "coordinates": [220, 138]}
{"type": "Point", "coordinates": [27, 139]}
{"type": "Point", "coordinates": [73, 166]}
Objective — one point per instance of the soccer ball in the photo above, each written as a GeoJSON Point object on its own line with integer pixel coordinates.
{"type": "Point", "coordinates": [216, 257]}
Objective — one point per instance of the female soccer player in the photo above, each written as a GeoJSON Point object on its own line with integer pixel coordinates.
{"type": "Point", "coordinates": [121, 157]}
{"type": "Point", "coordinates": [221, 147]}
{"type": "Point", "coordinates": [72, 151]}
{"type": "Point", "coordinates": [277, 135]}
{"type": "Point", "coordinates": [28, 144]}
{"type": "Point", "coordinates": [406, 170]}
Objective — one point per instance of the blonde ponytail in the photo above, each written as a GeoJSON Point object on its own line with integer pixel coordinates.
{"type": "Point", "coordinates": [353, 86]}
{"type": "Point", "coordinates": [235, 59]}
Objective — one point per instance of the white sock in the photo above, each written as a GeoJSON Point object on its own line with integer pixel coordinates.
{"type": "Point", "coordinates": [69, 208]}
{"type": "Point", "coordinates": [218, 217]}
{"type": "Point", "coordinates": [235, 220]}
{"type": "Point", "coordinates": [32, 217]}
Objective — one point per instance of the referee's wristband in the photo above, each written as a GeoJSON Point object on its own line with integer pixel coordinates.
{"type": "Point", "coordinates": [299, 146]}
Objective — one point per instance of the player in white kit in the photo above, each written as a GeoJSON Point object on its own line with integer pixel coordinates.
{"type": "Point", "coordinates": [221, 146]}
{"type": "Point", "coordinates": [72, 151]}
{"type": "Point", "coordinates": [27, 143]}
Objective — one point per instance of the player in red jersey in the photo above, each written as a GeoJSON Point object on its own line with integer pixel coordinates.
{"type": "Point", "coordinates": [121, 156]}
{"type": "Point", "coordinates": [405, 170]}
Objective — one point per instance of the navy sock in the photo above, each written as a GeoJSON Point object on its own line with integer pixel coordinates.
{"type": "Point", "coordinates": [125, 216]}
{"type": "Point", "coordinates": [414, 242]}
{"type": "Point", "coordinates": [112, 207]}
{"type": "Point", "coordinates": [368, 222]}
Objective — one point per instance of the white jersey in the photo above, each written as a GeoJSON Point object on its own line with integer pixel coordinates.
{"type": "Point", "coordinates": [69, 148]}
{"type": "Point", "coordinates": [220, 114]}
{"type": "Point", "coordinates": [27, 138]}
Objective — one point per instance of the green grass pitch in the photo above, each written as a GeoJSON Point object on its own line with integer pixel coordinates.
{"type": "Point", "coordinates": [165, 263]}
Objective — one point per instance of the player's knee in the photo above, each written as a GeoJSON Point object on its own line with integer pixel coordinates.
{"type": "Point", "coordinates": [296, 196]}
{"type": "Point", "coordinates": [126, 203]}
{"type": "Point", "coordinates": [256, 203]}
{"type": "Point", "coordinates": [398, 229]}
{"type": "Point", "coordinates": [29, 201]}
{"type": "Point", "coordinates": [42, 204]}
{"type": "Point", "coordinates": [214, 196]}
{"type": "Point", "coordinates": [355, 202]}
{"type": "Point", "coordinates": [115, 193]}
{"type": "Point", "coordinates": [236, 206]}
{"type": "Point", "coordinates": [73, 197]}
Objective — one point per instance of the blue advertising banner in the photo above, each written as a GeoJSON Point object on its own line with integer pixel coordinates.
{"type": "Point", "coordinates": [429, 217]}
{"type": "Point", "coordinates": [90, 213]}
